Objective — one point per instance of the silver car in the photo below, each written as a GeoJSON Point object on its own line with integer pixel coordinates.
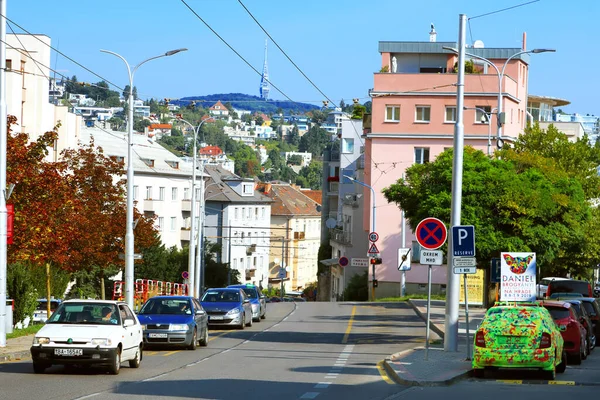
{"type": "Point", "coordinates": [227, 307]}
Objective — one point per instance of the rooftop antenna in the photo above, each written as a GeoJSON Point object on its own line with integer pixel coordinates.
{"type": "Point", "coordinates": [264, 81]}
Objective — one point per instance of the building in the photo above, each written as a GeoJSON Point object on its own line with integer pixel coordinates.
{"type": "Point", "coordinates": [413, 120]}
{"type": "Point", "coordinates": [210, 151]}
{"type": "Point", "coordinates": [590, 123]}
{"type": "Point", "coordinates": [296, 235]}
{"type": "Point", "coordinates": [238, 218]}
{"type": "Point", "coordinates": [221, 160]}
{"type": "Point", "coordinates": [140, 110]}
{"type": "Point", "coordinates": [162, 182]}
{"type": "Point", "coordinates": [159, 130]}
{"type": "Point", "coordinates": [306, 157]}
{"type": "Point", "coordinates": [540, 109]}
{"type": "Point", "coordinates": [218, 110]}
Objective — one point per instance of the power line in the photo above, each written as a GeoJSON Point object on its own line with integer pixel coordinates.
{"type": "Point", "coordinates": [504, 9]}
{"type": "Point", "coordinates": [284, 53]}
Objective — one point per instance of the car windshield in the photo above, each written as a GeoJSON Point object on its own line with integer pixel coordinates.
{"type": "Point", "coordinates": [577, 306]}
{"type": "Point", "coordinates": [43, 305]}
{"type": "Point", "coordinates": [86, 313]}
{"type": "Point", "coordinates": [558, 312]}
{"type": "Point", "coordinates": [221, 296]}
{"type": "Point", "coordinates": [166, 306]}
{"type": "Point", "coordinates": [251, 292]}
{"type": "Point", "coordinates": [569, 287]}
{"type": "Point", "coordinates": [589, 307]}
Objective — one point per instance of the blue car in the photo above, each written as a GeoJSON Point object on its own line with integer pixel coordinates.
{"type": "Point", "coordinates": [174, 320]}
{"type": "Point", "coordinates": [227, 307]}
{"type": "Point", "coordinates": [257, 301]}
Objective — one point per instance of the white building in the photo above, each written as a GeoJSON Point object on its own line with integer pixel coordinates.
{"type": "Point", "coordinates": [238, 217]}
{"type": "Point", "coordinates": [306, 157]}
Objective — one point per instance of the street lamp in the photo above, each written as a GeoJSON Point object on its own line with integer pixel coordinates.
{"type": "Point", "coordinates": [488, 118]}
{"type": "Point", "coordinates": [200, 254]}
{"type": "Point", "coordinates": [500, 73]}
{"type": "Point", "coordinates": [129, 228]}
{"type": "Point", "coordinates": [373, 225]}
{"type": "Point", "coordinates": [193, 287]}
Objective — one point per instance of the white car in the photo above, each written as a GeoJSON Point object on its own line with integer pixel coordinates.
{"type": "Point", "coordinates": [89, 332]}
{"type": "Point", "coordinates": [542, 286]}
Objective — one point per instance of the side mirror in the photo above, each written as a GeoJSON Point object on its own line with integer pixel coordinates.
{"type": "Point", "coordinates": [200, 312]}
{"type": "Point", "coordinates": [128, 322]}
{"type": "Point", "coordinates": [246, 301]}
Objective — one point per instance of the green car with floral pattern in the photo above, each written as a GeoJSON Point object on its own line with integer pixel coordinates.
{"type": "Point", "coordinates": [519, 336]}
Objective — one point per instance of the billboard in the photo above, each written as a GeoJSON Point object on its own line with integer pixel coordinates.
{"type": "Point", "coordinates": [517, 277]}
{"type": "Point", "coordinates": [475, 286]}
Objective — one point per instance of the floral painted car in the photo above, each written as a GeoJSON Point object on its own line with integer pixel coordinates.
{"type": "Point", "coordinates": [519, 336]}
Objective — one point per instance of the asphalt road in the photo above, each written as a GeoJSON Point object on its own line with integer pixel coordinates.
{"type": "Point", "coordinates": [300, 351]}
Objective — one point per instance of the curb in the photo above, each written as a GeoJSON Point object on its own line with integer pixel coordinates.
{"type": "Point", "coordinates": [543, 382]}
{"type": "Point", "coordinates": [432, 326]}
{"type": "Point", "coordinates": [409, 382]}
{"type": "Point", "coordinates": [17, 355]}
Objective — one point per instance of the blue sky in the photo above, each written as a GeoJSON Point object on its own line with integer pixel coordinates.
{"type": "Point", "coordinates": [335, 42]}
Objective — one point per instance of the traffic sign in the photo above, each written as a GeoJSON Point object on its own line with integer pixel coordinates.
{"type": "Point", "coordinates": [404, 259]}
{"type": "Point", "coordinates": [185, 275]}
{"type": "Point", "coordinates": [463, 241]}
{"type": "Point", "coordinates": [431, 233]}
{"type": "Point", "coordinates": [432, 257]}
{"type": "Point", "coordinates": [282, 274]}
{"type": "Point", "coordinates": [359, 262]}
{"type": "Point", "coordinates": [464, 262]}
{"type": "Point", "coordinates": [464, 270]}
{"type": "Point", "coordinates": [373, 237]}
{"type": "Point", "coordinates": [495, 270]}
{"type": "Point", "coordinates": [343, 261]}
{"type": "Point", "coordinates": [373, 250]}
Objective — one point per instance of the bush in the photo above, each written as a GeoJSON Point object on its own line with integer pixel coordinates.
{"type": "Point", "coordinates": [357, 289]}
{"type": "Point", "coordinates": [20, 288]}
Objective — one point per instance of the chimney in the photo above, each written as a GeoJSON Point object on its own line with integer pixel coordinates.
{"type": "Point", "coordinates": [524, 41]}
{"type": "Point", "coordinates": [268, 188]}
{"type": "Point", "coordinates": [432, 34]}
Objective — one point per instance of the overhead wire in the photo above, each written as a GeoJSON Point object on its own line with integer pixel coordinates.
{"type": "Point", "coordinates": [504, 9]}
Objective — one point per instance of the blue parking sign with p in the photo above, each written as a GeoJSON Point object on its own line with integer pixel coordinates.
{"type": "Point", "coordinates": [463, 241]}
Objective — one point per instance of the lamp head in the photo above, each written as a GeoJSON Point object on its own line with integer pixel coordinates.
{"type": "Point", "coordinates": [452, 49]}
{"type": "Point", "coordinates": [349, 177]}
{"type": "Point", "coordinates": [171, 52]}
{"type": "Point", "coordinates": [536, 51]}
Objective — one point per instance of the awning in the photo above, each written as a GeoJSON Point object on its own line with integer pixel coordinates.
{"type": "Point", "coordinates": [330, 261]}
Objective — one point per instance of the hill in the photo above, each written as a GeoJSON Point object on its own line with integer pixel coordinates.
{"type": "Point", "coordinates": [251, 103]}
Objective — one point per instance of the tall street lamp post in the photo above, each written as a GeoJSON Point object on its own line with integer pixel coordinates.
{"type": "Point", "coordinates": [200, 260]}
{"type": "Point", "coordinates": [129, 228]}
{"type": "Point", "coordinates": [488, 119]}
{"type": "Point", "coordinates": [372, 229]}
{"type": "Point", "coordinates": [193, 284]}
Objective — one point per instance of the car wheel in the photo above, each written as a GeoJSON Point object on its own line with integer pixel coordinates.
{"type": "Point", "coordinates": [204, 340]}
{"type": "Point", "coordinates": [194, 342]}
{"type": "Point", "coordinates": [115, 366]}
{"type": "Point", "coordinates": [242, 322]}
{"type": "Point", "coordinates": [135, 363]}
{"type": "Point", "coordinates": [550, 375]}
{"type": "Point", "coordinates": [39, 368]}
{"type": "Point", "coordinates": [586, 346]}
{"type": "Point", "coordinates": [563, 363]}
{"type": "Point", "coordinates": [249, 324]}
{"type": "Point", "coordinates": [477, 373]}
{"type": "Point", "coordinates": [264, 315]}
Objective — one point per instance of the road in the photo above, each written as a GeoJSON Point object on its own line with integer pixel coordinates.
{"type": "Point", "coordinates": [300, 351]}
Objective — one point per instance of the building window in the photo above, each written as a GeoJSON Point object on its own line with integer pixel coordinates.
{"type": "Point", "coordinates": [248, 189]}
{"type": "Point", "coordinates": [161, 223]}
{"type": "Point", "coordinates": [186, 193]}
{"type": "Point", "coordinates": [235, 263]}
{"type": "Point", "coordinates": [423, 114]}
{"type": "Point", "coordinates": [392, 113]}
{"type": "Point", "coordinates": [256, 213]}
{"type": "Point", "coordinates": [262, 212]}
{"type": "Point", "coordinates": [347, 145]}
{"type": "Point", "coordinates": [148, 192]}
{"type": "Point", "coordinates": [480, 117]}
{"type": "Point", "coordinates": [197, 193]}
{"type": "Point", "coordinates": [174, 193]}
{"type": "Point", "coordinates": [243, 213]}
{"type": "Point", "coordinates": [173, 223]}
{"type": "Point", "coordinates": [450, 115]}
{"type": "Point", "coordinates": [135, 192]}
{"type": "Point", "coordinates": [161, 193]}
{"type": "Point", "coordinates": [421, 155]}
{"type": "Point", "coordinates": [236, 214]}
{"type": "Point", "coordinates": [149, 162]}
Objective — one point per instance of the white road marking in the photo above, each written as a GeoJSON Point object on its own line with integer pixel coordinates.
{"type": "Point", "coordinates": [322, 385]}
{"type": "Point", "coordinates": [247, 341]}
{"type": "Point", "coordinates": [226, 351]}
{"type": "Point", "coordinates": [155, 377]}
{"type": "Point", "coordinates": [309, 395]}
{"type": "Point", "coordinates": [331, 375]}
{"type": "Point", "coordinates": [88, 396]}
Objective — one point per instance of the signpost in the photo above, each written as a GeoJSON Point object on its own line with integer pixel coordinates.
{"type": "Point", "coordinates": [373, 251]}
{"type": "Point", "coordinates": [373, 237]}
{"type": "Point", "coordinates": [431, 234]}
{"type": "Point", "coordinates": [343, 261]}
{"type": "Point", "coordinates": [404, 259]}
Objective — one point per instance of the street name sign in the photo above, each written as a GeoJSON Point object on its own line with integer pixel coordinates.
{"type": "Point", "coordinates": [359, 262]}
{"type": "Point", "coordinates": [432, 257]}
{"type": "Point", "coordinates": [463, 241]}
{"type": "Point", "coordinates": [464, 270]}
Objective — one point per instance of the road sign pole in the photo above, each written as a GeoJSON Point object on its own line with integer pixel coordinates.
{"type": "Point", "coordinates": [428, 313]}
{"type": "Point", "coordinates": [403, 273]}
{"type": "Point", "coordinates": [467, 317]}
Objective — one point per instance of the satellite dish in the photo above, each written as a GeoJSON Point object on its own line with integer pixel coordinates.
{"type": "Point", "coordinates": [331, 223]}
{"type": "Point", "coordinates": [318, 208]}
{"type": "Point", "coordinates": [478, 44]}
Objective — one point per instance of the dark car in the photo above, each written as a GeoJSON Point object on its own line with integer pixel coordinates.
{"type": "Point", "coordinates": [174, 320]}
{"type": "Point", "coordinates": [570, 286]}
{"type": "Point", "coordinates": [571, 329]}
{"type": "Point", "coordinates": [227, 306]}
{"type": "Point", "coordinates": [593, 309]}
{"type": "Point", "coordinates": [584, 318]}
{"type": "Point", "coordinates": [257, 300]}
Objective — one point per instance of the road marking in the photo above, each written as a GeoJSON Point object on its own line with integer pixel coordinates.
{"type": "Point", "coordinates": [383, 373]}
{"type": "Point", "coordinates": [309, 395]}
{"type": "Point", "coordinates": [349, 328]}
{"type": "Point", "coordinates": [510, 381]}
{"type": "Point", "coordinates": [217, 336]}
{"type": "Point", "coordinates": [322, 385]}
{"type": "Point", "coordinates": [170, 353]}
{"type": "Point", "coordinates": [567, 383]}
{"type": "Point", "coordinates": [150, 353]}
{"type": "Point", "coordinates": [226, 351]}
{"type": "Point", "coordinates": [331, 375]}
{"type": "Point", "coordinates": [247, 341]}
{"type": "Point", "coordinates": [88, 396]}
{"type": "Point", "coordinates": [155, 377]}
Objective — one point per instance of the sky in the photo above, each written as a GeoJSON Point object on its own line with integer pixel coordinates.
{"type": "Point", "coordinates": [333, 42]}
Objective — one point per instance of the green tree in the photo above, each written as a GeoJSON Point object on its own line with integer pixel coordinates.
{"type": "Point", "coordinates": [141, 124]}
{"type": "Point", "coordinates": [314, 141]}
{"type": "Point", "coordinates": [357, 289]}
{"type": "Point", "coordinates": [247, 162]}
{"type": "Point", "coordinates": [294, 136]}
{"type": "Point", "coordinates": [295, 159]}
{"type": "Point", "coordinates": [311, 176]}
{"type": "Point", "coordinates": [126, 90]}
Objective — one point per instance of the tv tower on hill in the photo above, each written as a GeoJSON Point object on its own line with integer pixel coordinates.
{"type": "Point", "coordinates": [264, 81]}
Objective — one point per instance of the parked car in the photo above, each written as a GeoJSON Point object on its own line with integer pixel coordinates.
{"type": "Point", "coordinates": [597, 289]}
{"type": "Point", "coordinates": [542, 286]}
{"type": "Point", "coordinates": [585, 320]}
{"type": "Point", "coordinates": [519, 336]}
{"type": "Point", "coordinates": [40, 315]}
{"type": "Point", "coordinates": [593, 310]}
{"type": "Point", "coordinates": [174, 320]}
{"type": "Point", "coordinates": [257, 301]}
{"type": "Point", "coordinates": [573, 332]}
{"type": "Point", "coordinates": [570, 286]}
{"type": "Point", "coordinates": [87, 332]}
{"type": "Point", "coordinates": [227, 306]}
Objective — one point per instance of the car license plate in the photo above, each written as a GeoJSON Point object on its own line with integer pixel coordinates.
{"type": "Point", "coordinates": [68, 352]}
{"type": "Point", "coordinates": [157, 335]}
{"type": "Point", "coordinates": [216, 317]}
{"type": "Point", "coordinates": [512, 339]}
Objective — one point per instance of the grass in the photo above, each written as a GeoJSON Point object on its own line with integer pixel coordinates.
{"type": "Point", "coordinates": [411, 296]}
{"type": "Point", "coordinates": [30, 330]}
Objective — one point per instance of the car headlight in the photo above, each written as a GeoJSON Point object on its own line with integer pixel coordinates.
{"type": "Point", "coordinates": [102, 342]}
{"type": "Point", "coordinates": [41, 340]}
{"type": "Point", "coordinates": [144, 327]}
{"type": "Point", "coordinates": [234, 311]}
{"type": "Point", "coordinates": [178, 327]}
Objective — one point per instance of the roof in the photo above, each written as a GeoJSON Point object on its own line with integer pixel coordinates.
{"type": "Point", "coordinates": [160, 126]}
{"type": "Point", "coordinates": [114, 144]}
{"type": "Point", "coordinates": [553, 101]}
{"type": "Point", "coordinates": [222, 192]}
{"type": "Point", "coordinates": [218, 103]}
{"type": "Point", "coordinates": [316, 195]}
{"type": "Point", "coordinates": [211, 150]}
{"type": "Point", "coordinates": [289, 200]}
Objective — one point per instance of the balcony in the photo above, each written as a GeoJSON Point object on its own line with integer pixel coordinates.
{"type": "Point", "coordinates": [185, 235]}
{"type": "Point", "coordinates": [186, 205]}
{"type": "Point", "coordinates": [151, 205]}
{"type": "Point", "coordinates": [334, 188]}
{"type": "Point", "coordinates": [360, 163]}
{"type": "Point", "coordinates": [341, 236]}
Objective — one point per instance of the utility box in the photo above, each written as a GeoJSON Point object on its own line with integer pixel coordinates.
{"type": "Point", "coordinates": [9, 315]}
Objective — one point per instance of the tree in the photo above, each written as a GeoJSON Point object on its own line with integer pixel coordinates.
{"type": "Point", "coordinates": [141, 124]}
{"type": "Point", "coordinates": [314, 141]}
{"type": "Point", "coordinates": [311, 176]}
{"type": "Point", "coordinates": [294, 136]}
{"type": "Point", "coordinates": [217, 274]}
{"type": "Point", "coordinates": [319, 116]}
{"type": "Point", "coordinates": [126, 90]}
{"type": "Point", "coordinates": [512, 208]}
{"type": "Point", "coordinates": [247, 163]}
{"type": "Point", "coordinates": [295, 159]}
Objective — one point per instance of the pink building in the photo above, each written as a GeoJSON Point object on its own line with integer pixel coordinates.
{"type": "Point", "coordinates": [413, 119]}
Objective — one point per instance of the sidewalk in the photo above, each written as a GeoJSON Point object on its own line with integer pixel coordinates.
{"type": "Point", "coordinates": [16, 349]}
{"type": "Point", "coordinates": [409, 367]}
